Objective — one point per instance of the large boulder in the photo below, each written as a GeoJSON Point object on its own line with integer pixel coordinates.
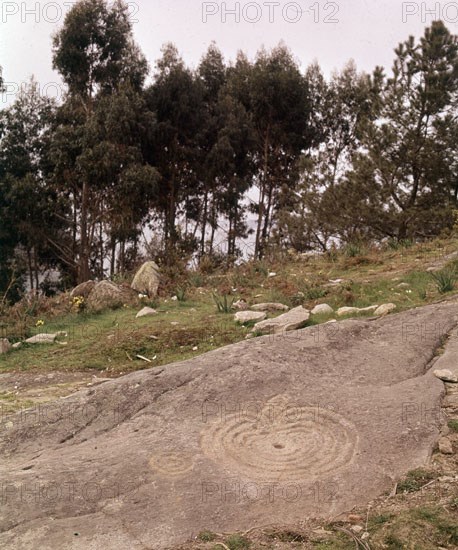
{"type": "Point", "coordinates": [105, 295]}
{"type": "Point", "coordinates": [147, 279]}
{"type": "Point", "coordinates": [5, 345]}
{"type": "Point", "coordinates": [84, 289]}
{"type": "Point", "coordinates": [292, 320]}
{"type": "Point", "coordinates": [322, 309]}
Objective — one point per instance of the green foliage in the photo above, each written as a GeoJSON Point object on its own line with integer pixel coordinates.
{"type": "Point", "coordinates": [354, 249]}
{"type": "Point", "coordinates": [453, 425]}
{"type": "Point", "coordinates": [223, 303]}
{"type": "Point", "coordinates": [414, 481]}
{"type": "Point", "coordinates": [237, 542]}
{"type": "Point", "coordinates": [445, 279]}
{"type": "Point", "coordinates": [206, 536]}
{"type": "Point", "coordinates": [181, 294]}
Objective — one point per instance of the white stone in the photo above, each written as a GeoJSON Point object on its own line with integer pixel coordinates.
{"type": "Point", "coordinates": [446, 375]}
{"type": "Point", "coordinates": [292, 320]}
{"type": "Point", "coordinates": [347, 311]}
{"type": "Point", "coordinates": [145, 312]}
{"type": "Point", "coordinates": [322, 309]}
{"type": "Point", "coordinates": [385, 309]}
{"type": "Point", "coordinates": [42, 339]}
{"type": "Point", "coordinates": [445, 446]}
{"type": "Point", "coordinates": [249, 316]}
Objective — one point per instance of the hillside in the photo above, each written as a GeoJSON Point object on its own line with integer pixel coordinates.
{"type": "Point", "coordinates": [372, 365]}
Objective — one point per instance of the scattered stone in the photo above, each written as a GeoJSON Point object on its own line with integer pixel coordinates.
{"type": "Point", "coordinates": [446, 375]}
{"type": "Point", "coordinates": [271, 275]}
{"type": "Point", "coordinates": [105, 294]}
{"type": "Point", "coordinates": [174, 298]}
{"type": "Point", "coordinates": [84, 289]}
{"type": "Point", "coordinates": [403, 285]}
{"type": "Point", "coordinates": [385, 309]}
{"type": "Point", "coordinates": [145, 312]}
{"type": "Point", "coordinates": [347, 311]}
{"type": "Point", "coordinates": [249, 316]}
{"type": "Point", "coordinates": [357, 529]}
{"type": "Point", "coordinates": [322, 309]}
{"type": "Point", "coordinates": [368, 309]}
{"type": "Point", "coordinates": [445, 446]}
{"type": "Point", "coordinates": [292, 320]}
{"type": "Point", "coordinates": [5, 345]}
{"type": "Point", "coordinates": [451, 401]}
{"type": "Point", "coordinates": [17, 345]}
{"type": "Point", "coordinates": [240, 305]}
{"type": "Point", "coordinates": [355, 310]}
{"type": "Point", "coordinates": [147, 279]}
{"type": "Point", "coordinates": [270, 307]}
{"type": "Point", "coordinates": [42, 339]}
{"type": "Point", "coordinates": [353, 518]}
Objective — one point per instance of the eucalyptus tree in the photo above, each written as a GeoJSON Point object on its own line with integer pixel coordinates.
{"type": "Point", "coordinates": [96, 55]}
{"type": "Point", "coordinates": [409, 155]}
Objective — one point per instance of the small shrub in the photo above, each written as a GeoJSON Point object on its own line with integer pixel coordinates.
{"type": "Point", "coordinates": [206, 536]}
{"type": "Point", "coordinates": [181, 294]}
{"type": "Point", "coordinates": [196, 279]}
{"type": "Point", "coordinates": [223, 303]}
{"type": "Point", "coordinates": [414, 481]}
{"type": "Point", "coordinates": [261, 268]}
{"type": "Point", "coordinates": [393, 543]}
{"type": "Point", "coordinates": [453, 425]}
{"type": "Point", "coordinates": [397, 244]}
{"type": "Point", "coordinates": [237, 542]}
{"type": "Point", "coordinates": [354, 249]}
{"type": "Point", "coordinates": [381, 519]}
{"type": "Point", "coordinates": [445, 279]}
{"type": "Point", "coordinates": [422, 294]}
{"type": "Point", "coordinates": [315, 293]}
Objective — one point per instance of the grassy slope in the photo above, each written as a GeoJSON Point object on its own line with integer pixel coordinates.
{"type": "Point", "coordinates": [111, 341]}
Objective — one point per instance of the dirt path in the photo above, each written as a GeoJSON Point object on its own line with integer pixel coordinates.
{"type": "Point", "coordinates": [270, 430]}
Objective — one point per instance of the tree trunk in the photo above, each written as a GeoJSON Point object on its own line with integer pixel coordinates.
{"type": "Point", "coordinates": [83, 268]}
{"type": "Point", "coordinates": [204, 223]}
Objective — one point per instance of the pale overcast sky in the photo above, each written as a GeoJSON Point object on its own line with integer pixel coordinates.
{"type": "Point", "coordinates": [330, 32]}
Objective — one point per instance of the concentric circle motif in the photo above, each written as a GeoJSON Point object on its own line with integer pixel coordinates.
{"type": "Point", "coordinates": [304, 443]}
{"type": "Point", "coordinates": [171, 464]}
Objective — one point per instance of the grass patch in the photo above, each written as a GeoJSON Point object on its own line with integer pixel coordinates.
{"type": "Point", "coordinates": [237, 542]}
{"type": "Point", "coordinates": [445, 279]}
{"type": "Point", "coordinates": [414, 481]}
{"type": "Point", "coordinates": [206, 536]}
{"type": "Point", "coordinates": [453, 425]}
